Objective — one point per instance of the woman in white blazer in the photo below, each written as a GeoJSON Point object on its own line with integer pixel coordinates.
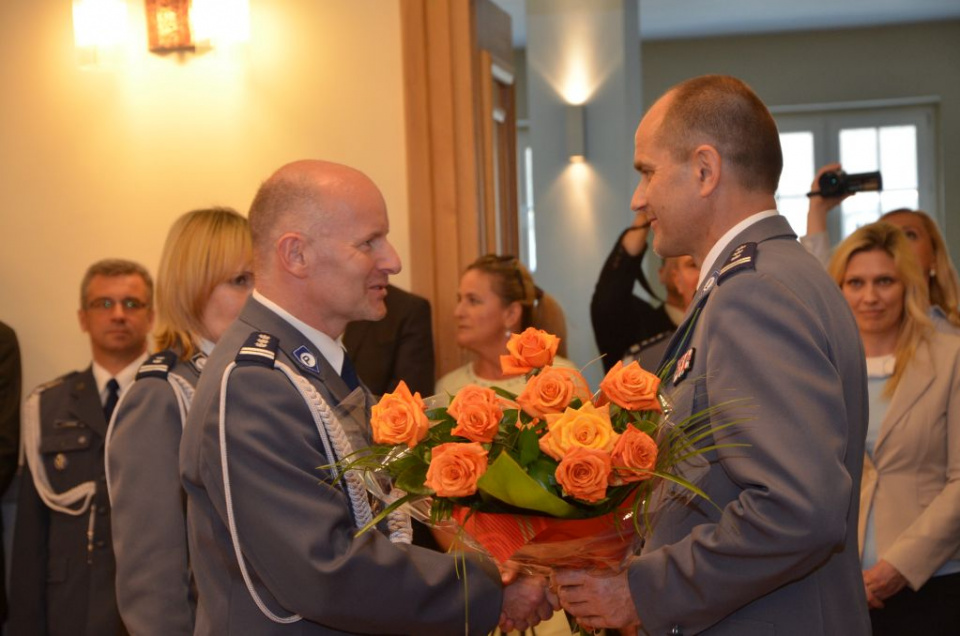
{"type": "Point", "coordinates": [910, 491]}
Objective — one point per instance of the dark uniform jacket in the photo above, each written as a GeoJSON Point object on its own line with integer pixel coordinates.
{"type": "Point", "coordinates": [296, 529]}
{"type": "Point", "coordinates": [154, 586]}
{"type": "Point", "coordinates": [770, 328]}
{"type": "Point", "coordinates": [63, 578]}
{"type": "Point", "coordinates": [399, 347]}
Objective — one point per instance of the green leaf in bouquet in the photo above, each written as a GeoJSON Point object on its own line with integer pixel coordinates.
{"type": "Point", "coordinates": [647, 425]}
{"type": "Point", "coordinates": [412, 477]}
{"type": "Point", "coordinates": [529, 444]}
{"type": "Point", "coordinates": [438, 414]}
{"type": "Point", "coordinates": [504, 393]}
{"type": "Point", "coordinates": [508, 482]}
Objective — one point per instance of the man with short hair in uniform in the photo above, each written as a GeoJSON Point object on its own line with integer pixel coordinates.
{"type": "Point", "coordinates": [63, 566]}
{"type": "Point", "coordinates": [272, 530]}
{"type": "Point", "coordinates": [774, 551]}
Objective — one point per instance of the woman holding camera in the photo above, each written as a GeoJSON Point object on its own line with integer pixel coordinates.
{"type": "Point", "coordinates": [939, 273]}
{"type": "Point", "coordinates": [909, 513]}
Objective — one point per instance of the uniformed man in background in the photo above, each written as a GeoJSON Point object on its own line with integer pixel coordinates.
{"type": "Point", "coordinates": [63, 567]}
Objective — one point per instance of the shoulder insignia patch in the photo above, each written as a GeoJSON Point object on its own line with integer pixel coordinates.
{"type": "Point", "coordinates": [158, 365]}
{"type": "Point", "coordinates": [740, 259]}
{"type": "Point", "coordinates": [306, 359]}
{"type": "Point", "coordinates": [260, 348]}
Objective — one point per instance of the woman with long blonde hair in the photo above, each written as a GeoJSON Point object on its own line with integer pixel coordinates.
{"type": "Point", "coordinates": [909, 513]}
{"type": "Point", "coordinates": [203, 281]}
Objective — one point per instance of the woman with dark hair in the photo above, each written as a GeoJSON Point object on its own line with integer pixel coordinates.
{"type": "Point", "coordinates": [909, 512]}
{"type": "Point", "coordinates": [203, 282]}
{"type": "Point", "coordinates": [497, 298]}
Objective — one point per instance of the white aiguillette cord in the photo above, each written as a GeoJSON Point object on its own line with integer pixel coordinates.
{"type": "Point", "coordinates": [335, 445]}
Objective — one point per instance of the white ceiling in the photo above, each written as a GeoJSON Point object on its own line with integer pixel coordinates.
{"type": "Point", "coordinates": [668, 19]}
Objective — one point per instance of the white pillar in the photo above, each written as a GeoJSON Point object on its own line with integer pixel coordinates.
{"type": "Point", "coordinates": [589, 53]}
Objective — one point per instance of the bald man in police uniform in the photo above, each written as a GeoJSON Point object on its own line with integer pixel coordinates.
{"type": "Point", "coordinates": [272, 533]}
{"type": "Point", "coordinates": [777, 553]}
{"type": "Point", "coordinates": [63, 567]}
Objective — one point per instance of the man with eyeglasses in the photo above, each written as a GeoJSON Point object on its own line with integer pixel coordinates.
{"type": "Point", "coordinates": [63, 564]}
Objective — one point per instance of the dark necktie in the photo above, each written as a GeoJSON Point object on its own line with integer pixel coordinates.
{"type": "Point", "coordinates": [113, 394]}
{"type": "Point", "coordinates": [349, 373]}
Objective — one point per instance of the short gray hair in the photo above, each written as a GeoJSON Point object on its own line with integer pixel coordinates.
{"type": "Point", "coordinates": [115, 267]}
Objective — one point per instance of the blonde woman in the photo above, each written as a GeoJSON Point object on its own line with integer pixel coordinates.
{"type": "Point", "coordinates": [909, 512]}
{"type": "Point", "coordinates": [203, 281]}
{"type": "Point", "coordinates": [937, 269]}
{"type": "Point", "coordinates": [496, 298]}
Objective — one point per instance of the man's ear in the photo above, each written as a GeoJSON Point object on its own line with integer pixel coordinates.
{"type": "Point", "coordinates": [707, 163]}
{"type": "Point", "coordinates": [292, 253]}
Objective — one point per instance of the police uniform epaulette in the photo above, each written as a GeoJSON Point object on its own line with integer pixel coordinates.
{"type": "Point", "coordinates": [40, 388]}
{"type": "Point", "coordinates": [158, 365]}
{"type": "Point", "coordinates": [260, 348]}
{"type": "Point", "coordinates": [741, 259]}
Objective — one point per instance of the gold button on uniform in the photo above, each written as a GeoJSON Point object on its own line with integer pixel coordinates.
{"type": "Point", "coordinates": [60, 461]}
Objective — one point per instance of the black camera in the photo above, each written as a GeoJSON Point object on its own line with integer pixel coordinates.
{"type": "Point", "coordinates": [834, 184]}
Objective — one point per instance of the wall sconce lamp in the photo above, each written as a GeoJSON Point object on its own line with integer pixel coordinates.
{"type": "Point", "coordinates": [576, 133]}
{"type": "Point", "coordinates": [98, 26]}
{"type": "Point", "coordinates": [168, 26]}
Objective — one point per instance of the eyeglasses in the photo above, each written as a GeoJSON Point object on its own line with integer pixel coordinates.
{"type": "Point", "coordinates": [126, 304]}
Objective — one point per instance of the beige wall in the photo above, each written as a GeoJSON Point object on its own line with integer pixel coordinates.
{"type": "Point", "coordinates": [907, 61]}
{"type": "Point", "coordinates": [98, 163]}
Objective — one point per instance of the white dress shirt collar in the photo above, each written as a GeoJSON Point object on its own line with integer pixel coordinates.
{"type": "Point", "coordinates": [721, 245]}
{"type": "Point", "coordinates": [125, 378]}
{"type": "Point", "coordinates": [329, 348]}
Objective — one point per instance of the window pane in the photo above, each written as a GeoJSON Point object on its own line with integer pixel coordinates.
{"type": "Point", "coordinates": [860, 209]}
{"type": "Point", "coordinates": [898, 157]}
{"type": "Point", "coordinates": [858, 150]}
{"type": "Point", "coordinates": [895, 199]}
{"type": "Point", "coordinates": [798, 167]}
{"type": "Point", "coordinates": [795, 211]}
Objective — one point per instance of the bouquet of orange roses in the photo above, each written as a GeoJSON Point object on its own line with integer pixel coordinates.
{"type": "Point", "coordinates": [553, 476]}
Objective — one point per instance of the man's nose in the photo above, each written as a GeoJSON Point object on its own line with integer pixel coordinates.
{"type": "Point", "coordinates": [638, 201]}
{"type": "Point", "coordinates": [390, 262]}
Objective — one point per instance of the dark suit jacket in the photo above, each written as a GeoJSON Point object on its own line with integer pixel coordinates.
{"type": "Point", "coordinates": [296, 529]}
{"type": "Point", "coordinates": [61, 587]}
{"type": "Point", "coordinates": [619, 318]}
{"type": "Point", "coordinates": [9, 427]}
{"type": "Point", "coordinates": [399, 347]}
{"type": "Point", "coordinates": [781, 558]}
{"type": "Point", "coordinates": [154, 589]}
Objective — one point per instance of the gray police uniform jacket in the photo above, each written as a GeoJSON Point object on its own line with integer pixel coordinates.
{"type": "Point", "coordinates": [295, 529]}
{"type": "Point", "coordinates": [154, 587]}
{"type": "Point", "coordinates": [62, 581]}
{"type": "Point", "coordinates": [782, 558]}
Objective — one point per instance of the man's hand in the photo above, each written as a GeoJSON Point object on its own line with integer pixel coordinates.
{"type": "Point", "coordinates": [820, 206]}
{"type": "Point", "coordinates": [881, 582]}
{"type": "Point", "coordinates": [635, 240]}
{"type": "Point", "coordinates": [525, 603]}
{"type": "Point", "coordinates": [597, 601]}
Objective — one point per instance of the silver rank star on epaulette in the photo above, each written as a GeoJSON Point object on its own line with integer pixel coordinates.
{"type": "Point", "coordinates": [260, 348]}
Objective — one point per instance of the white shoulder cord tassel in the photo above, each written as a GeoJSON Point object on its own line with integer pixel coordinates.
{"type": "Point", "coordinates": [335, 445]}
{"type": "Point", "coordinates": [57, 501]}
{"type": "Point", "coordinates": [184, 392]}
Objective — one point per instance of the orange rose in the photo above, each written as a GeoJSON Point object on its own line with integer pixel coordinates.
{"type": "Point", "coordinates": [634, 456]}
{"type": "Point", "coordinates": [532, 349]}
{"type": "Point", "coordinates": [631, 387]}
{"type": "Point", "coordinates": [477, 411]}
{"type": "Point", "coordinates": [584, 474]}
{"type": "Point", "coordinates": [587, 427]}
{"type": "Point", "coordinates": [399, 418]}
{"type": "Point", "coordinates": [455, 468]}
{"type": "Point", "coordinates": [552, 390]}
